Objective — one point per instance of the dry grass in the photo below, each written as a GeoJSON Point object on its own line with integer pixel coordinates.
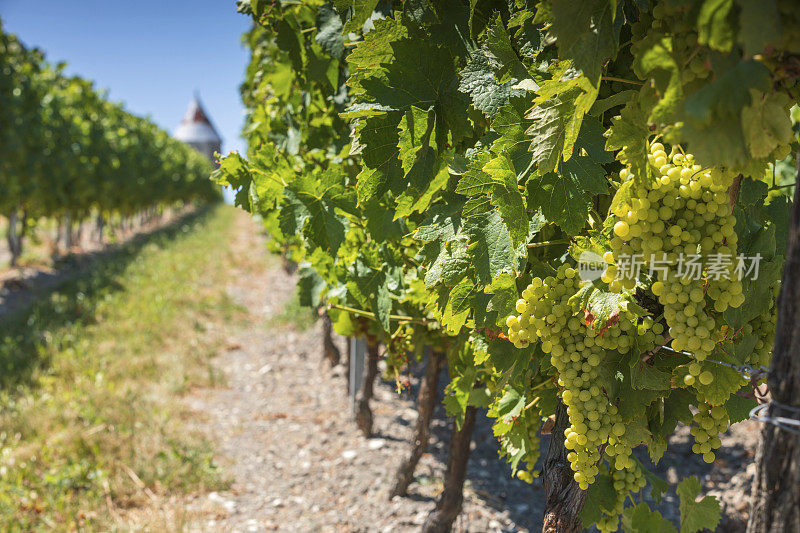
{"type": "Point", "coordinates": [91, 433]}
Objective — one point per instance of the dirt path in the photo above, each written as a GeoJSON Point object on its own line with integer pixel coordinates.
{"type": "Point", "coordinates": [284, 434]}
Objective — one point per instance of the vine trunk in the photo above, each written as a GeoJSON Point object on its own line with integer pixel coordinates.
{"type": "Point", "coordinates": [441, 519]}
{"type": "Point", "coordinates": [363, 410]}
{"type": "Point", "coordinates": [426, 403]}
{"type": "Point", "coordinates": [565, 499]}
{"type": "Point", "coordinates": [776, 487]}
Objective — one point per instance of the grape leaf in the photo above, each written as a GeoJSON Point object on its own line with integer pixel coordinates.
{"type": "Point", "coordinates": [644, 376]}
{"type": "Point", "coordinates": [459, 304]}
{"type": "Point", "coordinates": [504, 296]}
{"type": "Point", "coordinates": [757, 295]}
{"type": "Point", "coordinates": [713, 115]}
{"type": "Point", "coordinates": [309, 285]}
{"type": "Point", "coordinates": [657, 485]}
{"type": "Point", "coordinates": [420, 74]}
{"type": "Point", "coordinates": [474, 181]}
{"type": "Point", "coordinates": [502, 57]}
{"type": "Point", "coordinates": [290, 41]}
{"type": "Point", "coordinates": [425, 173]}
{"type": "Point", "coordinates": [590, 139]}
{"type": "Point", "coordinates": [361, 11]}
{"type": "Point", "coordinates": [766, 123]}
{"type": "Point", "coordinates": [511, 403]}
{"type": "Point", "coordinates": [716, 24]}
{"type": "Point", "coordinates": [562, 199]}
{"type": "Point", "coordinates": [726, 382]}
{"type": "Point", "coordinates": [369, 56]}
{"type": "Point", "coordinates": [696, 515]}
{"type": "Point", "coordinates": [311, 208]}
{"type": "Point", "coordinates": [640, 519]}
{"type": "Point", "coordinates": [234, 173]}
{"type": "Point", "coordinates": [507, 199]}
{"type": "Point", "coordinates": [759, 24]}
{"type": "Point", "coordinates": [629, 133]}
{"type": "Point", "coordinates": [585, 33]}
{"type": "Point", "coordinates": [601, 497]}
{"type": "Point", "coordinates": [478, 80]}
{"type": "Point", "coordinates": [329, 31]}
{"type": "Point", "coordinates": [378, 140]}
{"type": "Point", "coordinates": [675, 409]}
{"type": "Point", "coordinates": [449, 267]}
{"type": "Point", "coordinates": [511, 124]}
{"type": "Point", "coordinates": [490, 246]}
{"type": "Point", "coordinates": [653, 56]}
{"type": "Point", "coordinates": [739, 407]}
{"type": "Point", "coordinates": [369, 286]}
{"type": "Point", "coordinates": [557, 116]}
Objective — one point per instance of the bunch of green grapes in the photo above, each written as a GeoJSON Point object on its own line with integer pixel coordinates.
{"type": "Point", "coordinates": [763, 327]}
{"type": "Point", "coordinates": [711, 421]}
{"type": "Point", "coordinates": [533, 454]}
{"type": "Point", "coordinates": [576, 351]}
{"type": "Point", "coordinates": [400, 345]}
{"type": "Point", "coordinates": [693, 58]}
{"type": "Point", "coordinates": [682, 217]}
{"type": "Point", "coordinates": [625, 481]}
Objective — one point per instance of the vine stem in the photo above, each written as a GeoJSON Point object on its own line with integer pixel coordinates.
{"type": "Point", "coordinates": [622, 80]}
{"type": "Point", "coordinates": [548, 243]}
{"type": "Point", "coordinates": [733, 190]}
{"type": "Point", "coordinates": [368, 314]}
{"type": "Point", "coordinates": [532, 403]}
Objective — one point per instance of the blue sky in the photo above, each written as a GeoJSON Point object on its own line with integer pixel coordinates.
{"type": "Point", "coordinates": [151, 55]}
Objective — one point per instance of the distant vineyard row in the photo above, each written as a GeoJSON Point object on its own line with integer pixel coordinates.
{"type": "Point", "coordinates": [66, 151]}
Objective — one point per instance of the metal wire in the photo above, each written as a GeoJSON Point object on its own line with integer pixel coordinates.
{"type": "Point", "coordinates": [747, 371]}
{"type": "Point", "coordinates": [791, 425]}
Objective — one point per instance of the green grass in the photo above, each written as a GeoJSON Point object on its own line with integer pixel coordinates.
{"type": "Point", "coordinates": [91, 378]}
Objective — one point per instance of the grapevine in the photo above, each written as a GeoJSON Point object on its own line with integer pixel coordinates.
{"type": "Point", "coordinates": [445, 169]}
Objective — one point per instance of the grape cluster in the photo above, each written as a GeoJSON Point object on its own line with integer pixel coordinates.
{"type": "Point", "coordinates": [711, 421]}
{"type": "Point", "coordinates": [533, 454]}
{"type": "Point", "coordinates": [681, 226]}
{"type": "Point", "coordinates": [576, 351]}
{"type": "Point", "coordinates": [628, 480]}
{"type": "Point", "coordinates": [672, 18]}
{"type": "Point", "coordinates": [763, 327]}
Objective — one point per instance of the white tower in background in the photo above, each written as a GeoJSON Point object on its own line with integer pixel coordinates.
{"type": "Point", "coordinates": [197, 131]}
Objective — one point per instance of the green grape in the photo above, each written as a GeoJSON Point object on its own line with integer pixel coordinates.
{"type": "Point", "coordinates": [711, 421]}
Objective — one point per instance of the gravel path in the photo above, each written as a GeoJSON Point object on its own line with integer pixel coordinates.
{"type": "Point", "coordinates": [285, 436]}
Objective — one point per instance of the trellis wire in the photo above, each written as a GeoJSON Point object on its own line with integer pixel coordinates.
{"type": "Point", "coordinates": [789, 424]}
{"type": "Point", "coordinates": [747, 371]}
